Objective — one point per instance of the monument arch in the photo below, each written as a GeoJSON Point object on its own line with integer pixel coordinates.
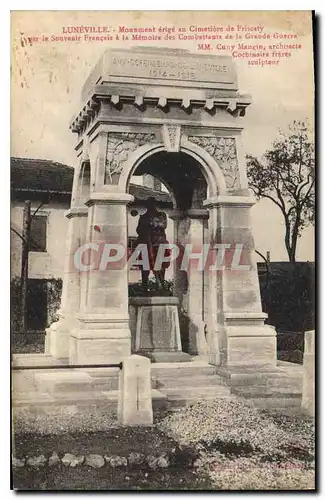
{"type": "Point", "coordinates": [128, 119]}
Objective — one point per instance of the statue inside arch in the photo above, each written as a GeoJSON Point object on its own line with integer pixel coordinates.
{"type": "Point", "coordinates": [151, 232]}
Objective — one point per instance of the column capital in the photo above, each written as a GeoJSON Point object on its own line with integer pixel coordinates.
{"type": "Point", "coordinates": [177, 214]}
{"type": "Point", "coordinates": [198, 213]}
{"type": "Point", "coordinates": [192, 213]}
{"type": "Point", "coordinates": [76, 212]}
{"type": "Point", "coordinates": [109, 199]}
{"type": "Point", "coordinates": [235, 201]}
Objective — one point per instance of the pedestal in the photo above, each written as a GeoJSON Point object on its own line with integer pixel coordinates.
{"type": "Point", "coordinates": [157, 333]}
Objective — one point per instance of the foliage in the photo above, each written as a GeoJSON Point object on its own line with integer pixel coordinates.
{"type": "Point", "coordinates": [137, 290]}
{"type": "Point", "coordinates": [54, 291]}
{"type": "Point", "coordinates": [288, 298]}
{"type": "Point", "coordinates": [27, 342]}
{"type": "Point", "coordinates": [15, 302]}
{"type": "Point", "coordinates": [286, 176]}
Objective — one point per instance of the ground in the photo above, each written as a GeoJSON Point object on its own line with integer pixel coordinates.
{"type": "Point", "coordinates": [212, 445]}
{"type": "Point", "coordinates": [118, 441]}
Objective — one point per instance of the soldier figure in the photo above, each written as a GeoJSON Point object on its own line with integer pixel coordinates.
{"type": "Point", "coordinates": [151, 232]}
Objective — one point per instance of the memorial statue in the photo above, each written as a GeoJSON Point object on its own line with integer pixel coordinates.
{"type": "Point", "coordinates": [151, 232]}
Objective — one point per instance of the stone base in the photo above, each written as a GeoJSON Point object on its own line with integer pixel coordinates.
{"type": "Point", "coordinates": [157, 324]}
{"type": "Point", "coordinates": [57, 338]}
{"type": "Point", "coordinates": [100, 339]}
{"type": "Point", "coordinates": [167, 357]}
{"type": "Point", "coordinates": [98, 350]}
{"type": "Point", "coordinates": [249, 343]}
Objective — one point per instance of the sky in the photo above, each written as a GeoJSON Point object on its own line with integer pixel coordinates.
{"type": "Point", "coordinates": [47, 79]}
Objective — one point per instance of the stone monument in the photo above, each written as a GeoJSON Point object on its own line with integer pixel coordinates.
{"type": "Point", "coordinates": [177, 116]}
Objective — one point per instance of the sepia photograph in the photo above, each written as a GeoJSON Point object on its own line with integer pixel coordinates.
{"type": "Point", "coordinates": [162, 243]}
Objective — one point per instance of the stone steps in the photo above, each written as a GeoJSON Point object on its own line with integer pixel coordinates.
{"type": "Point", "coordinates": [35, 359]}
{"type": "Point", "coordinates": [188, 381]}
{"type": "Point", "coordinates": [87, 400]}
{"type": "Point", "coordinates": [264, 392]}
{"type": "Point", "coordinates": [174, 385]}
{"type": "Point", "coordinates": [269, 388]}
{"type": "Point", "coordinates": [59, 382]}
{"type": "Point", "coordinates": [285, 381]}
{"type": "Point", "coordinates": [185, 396]}
{"type": "Point", "coordinates": [268, 397]}
{"type": "Point", "coordinates": [197, 391]}
{"type": "Point", "coordinates": [105, 383]}
{"type": "Point", "coordinates": [275, 379]}
{"type": "Point", "coordinates": [185, 369]}
{"type": "Point", "coordinates": [179, 401]}
{"type": "Point", "coordinates": [272, 403]}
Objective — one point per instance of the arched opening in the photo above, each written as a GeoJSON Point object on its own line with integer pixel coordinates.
{"type": "Point", "coordinates": [181, 172]}
{"type": "Point", "coordinates": [80, 195]}
{"type": "Point", "coordinates": [82, 189]}
{"type": "Point", "coordinates": [185, 184]}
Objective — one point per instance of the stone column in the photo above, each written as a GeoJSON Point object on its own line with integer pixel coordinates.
{"type": "Point", "coordinates": [213, 333]}
{"type": "Point", "coordinates": [58, 334]}
{"type": "Point", "coordinates": [243, 337]}
{"type": "Point", "coordinates": [197, 328]}
{"type": "Point", "coordinates": [181, 224]}
{"type": "Point", "coordinates": [103, 334]}
{"type": "Point", "coordinates": [180, 277]}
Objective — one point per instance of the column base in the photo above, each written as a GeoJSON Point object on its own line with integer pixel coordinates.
{"type": "Point", "coordinates": [100, 339]}
{"type": "Point", "coordinates": [166, 357]}
{"type": "Point", "coordinates": [57, 337]}
{"type": "Point", "coordinates": [197, 336]}
{"type": "Point", "coordinates": [247, 341]}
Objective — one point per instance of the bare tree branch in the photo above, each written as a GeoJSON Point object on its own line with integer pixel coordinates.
{"type": "Point", "coordinates": [285, 176]}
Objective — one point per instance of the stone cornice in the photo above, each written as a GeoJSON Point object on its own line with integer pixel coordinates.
{"type": "Point", "coordinates": [110, 198]}
{"type": "Point", "coordinates": [234, 104]}
{"type": "Point", "coordinates": [230, 200]}
{"type": "Point", "coordinates": [76, 212]}
{"type": "Point", "coordinates": [198, 213]}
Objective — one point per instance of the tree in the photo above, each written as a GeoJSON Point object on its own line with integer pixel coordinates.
{"type": "Point", "coordinates": [26, 239]}
{"type": "Point", "coordinates": [286, 176]}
